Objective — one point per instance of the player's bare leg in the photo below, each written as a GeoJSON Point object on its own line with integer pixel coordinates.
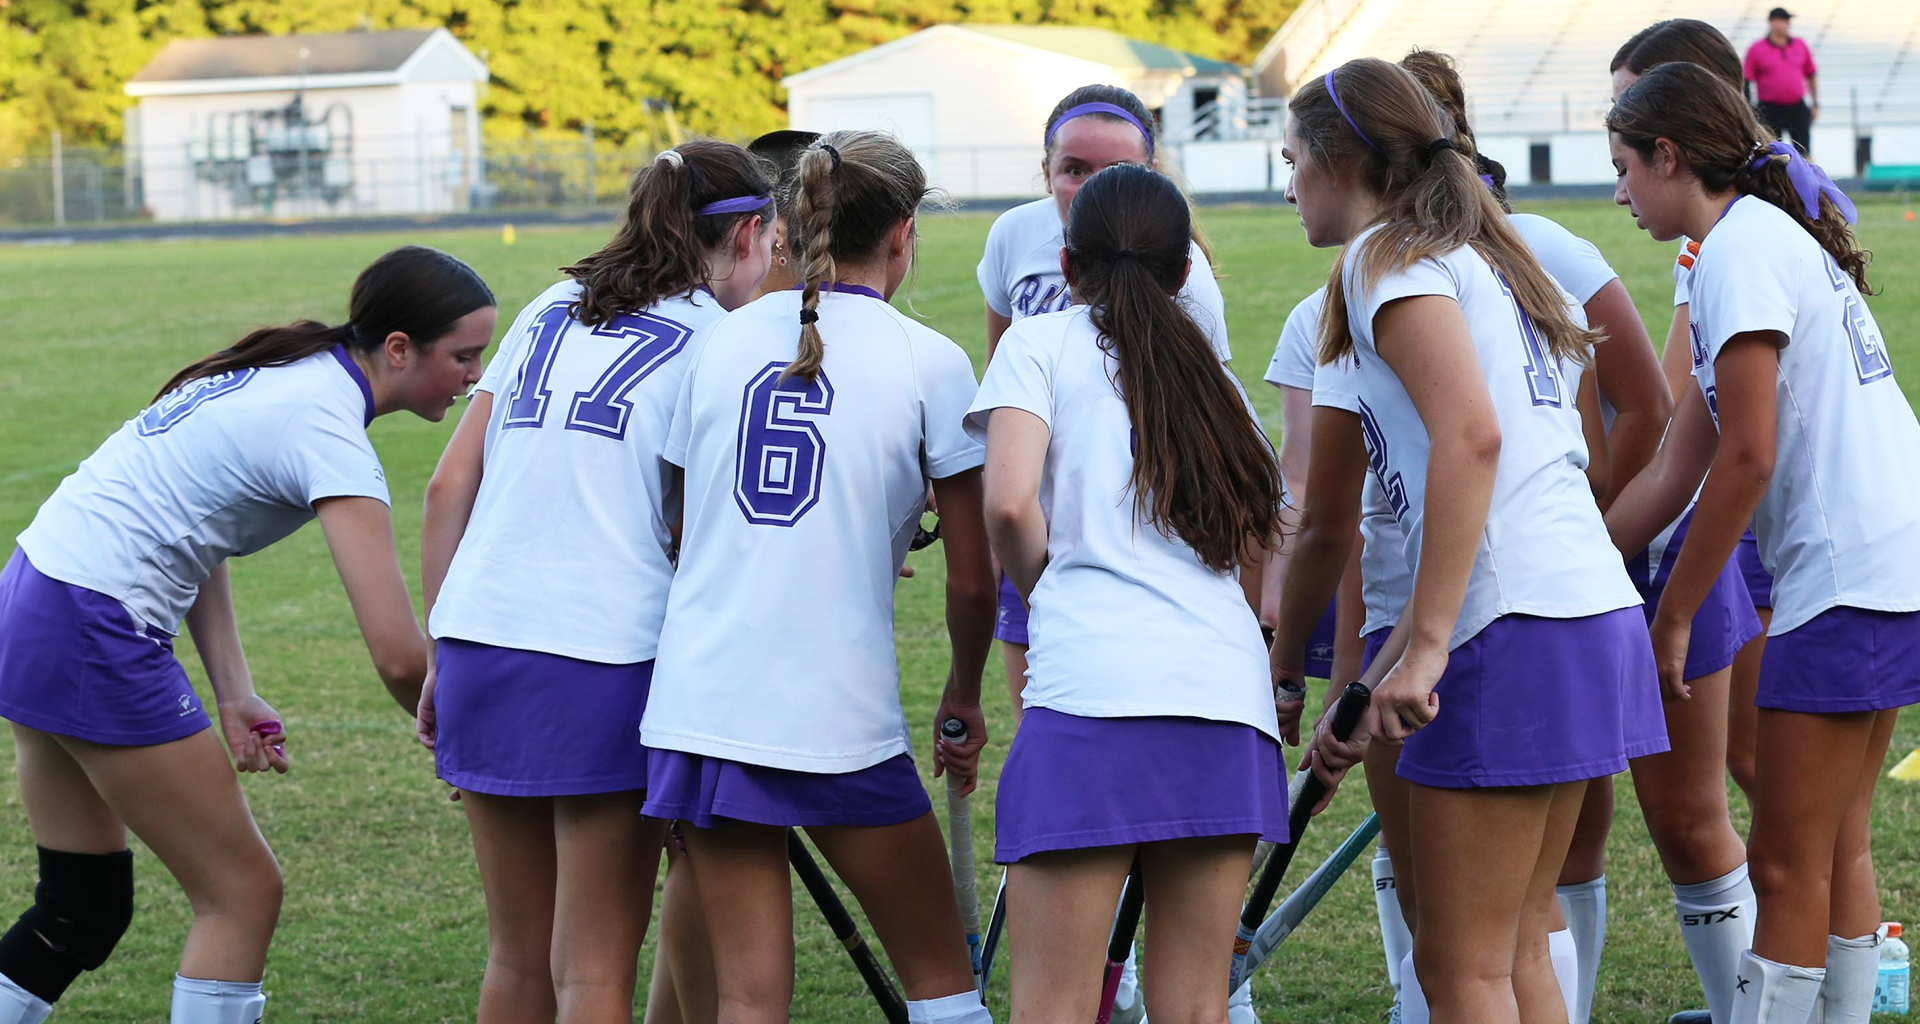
{"type": "Point", "coordinates": [607, 857]}
{"type": "Point", "coordinates": [1536, 987]}
{"type": "Point", "coordinates": [1060, 907]}
{"type": "Point", "coordinates": [752, 928]}
{"type": "Point", "coordinates": [1743, 718]}
{"type": "Point", "coordinates": [1193, 888]}
{"type": "Point", "coordinates": [513, 842]}
{"type": "Point", "coordinates": [901, 877]}
{"type": "Point", "coordinates": [683, 987]}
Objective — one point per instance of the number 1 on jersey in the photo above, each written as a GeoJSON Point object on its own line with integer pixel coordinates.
{"type": "Point", "coordinates": [602, 409]}
{"type": "Point", "coordinates": [1543, 371]}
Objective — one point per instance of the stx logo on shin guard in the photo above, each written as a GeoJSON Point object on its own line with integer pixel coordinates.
{"type": "Point", "coordinates": [1710, 917]}
{"type": "Point", "coordinates": [1383, 884]}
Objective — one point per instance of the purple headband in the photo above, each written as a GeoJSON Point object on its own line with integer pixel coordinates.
{"type": "Point", "coordinates": [1099, 108]}
{"type": "Point", "coordinates": [1351, 123]}
{"type": "Point", "coordinates": [1809, 181]}
{"type": "Point", "coordinates": [739, 205]}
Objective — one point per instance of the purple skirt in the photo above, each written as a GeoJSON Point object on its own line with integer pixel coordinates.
{"type": "Point", "coordinates": [1533, 701]}
{"type": "Point", "coordinates": [1320, 645]}
{"type": "Point", "coordinates": [1375, 642]}
{"type": "Point", "coordinates": [701, 790]}
{"type": "Point", "coordinates": [526, 723]}
{"type": "Point", "coordinates": [1010, 624]}
{"type": "Point", "coordinates": [1726, 619]}
{"type": "Point", "coordinates": [75, 662]}
{"type": "Point", "coordinates": [1071, 783]}
{"type": "Point", "coordinates": [1843, 659]}
{"type": "Point", "coordinates": [1759, 580]}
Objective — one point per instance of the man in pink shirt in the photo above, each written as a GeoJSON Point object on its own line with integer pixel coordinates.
{"type": "Point", "coordinates": [1781, 69]}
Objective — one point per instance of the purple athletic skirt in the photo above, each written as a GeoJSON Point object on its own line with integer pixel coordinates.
{"type": "Point", "coordinates": [1010, 625]}
{"type": "Point", "coordinates": [1759, 580]}
{"type": "Point", "coordinates": [1320, 646]}
{"type": "Point", "coordinates": [1531, 701]}
{"type": "Point", "coordinates": [1726, 619]}
{"type": "Point", "coordinates": [75, 662]}
{"type": "Point", "coordinates": [526, 723]}
{"type": "Point", "coordinates": [1375, 642]}
{"type": "Point", "coordinates": [1843, 659]}
{"type": "Point", "coordinates": [701, 790]}
{"type": "Point", "coordinates": [1071, 783]}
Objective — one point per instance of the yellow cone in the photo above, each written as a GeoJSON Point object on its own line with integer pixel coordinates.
{"type": "Point", "coordinates": [506, 234]}
{"type": "Point", "coordinates": [1908, 770]}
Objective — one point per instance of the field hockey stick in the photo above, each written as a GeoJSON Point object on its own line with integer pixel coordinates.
{"type": "Point", "coordinates": [1346, 715]}
{"type": "Point", "coordinates": [996, 925]}
{"type": "Point", "coordinates": [966, 888]}
{"type": "Point", "coordinates": [845, 930]}
{"type": "Point", "coordinates": [1126, 921]}
{"type": "Point", "coordinates": [1295, 908]}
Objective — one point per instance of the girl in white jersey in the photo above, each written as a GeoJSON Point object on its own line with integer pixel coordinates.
{"type": "Point", "coordinates": [1800, 427]}
{"type": "Point", "coordinates": [1520, 667]}
{"type": "Point", "coordinates": [809, 426]}
{"type": "Point", "coordinates": [238, 450]}
{"type": "Point", "coordinates": [1126, 484]}
{"type": "Point", "coordinates": [547, 555]}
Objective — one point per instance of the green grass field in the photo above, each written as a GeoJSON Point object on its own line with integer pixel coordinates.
{"type": "Point", "coordinates": [383, 917]}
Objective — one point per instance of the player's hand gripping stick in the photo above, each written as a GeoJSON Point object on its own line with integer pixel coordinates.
{"type": "Point", "coordinates": [966, 889]}
{"type": "Point", "coordinates": [1346, 715]}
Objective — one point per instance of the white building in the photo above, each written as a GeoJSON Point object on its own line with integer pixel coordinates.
{"type": "Point", "coordinates": [972, 100]}
{"type": "Point", "coordinates": [349, 123]}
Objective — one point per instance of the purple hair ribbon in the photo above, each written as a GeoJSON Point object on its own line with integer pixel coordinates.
{"type": "Point", "coordinates": [1351, 123]}
{"type": "Point", "coordinates": [1808, 180]}
{"type": "Point", "coordinates": [1487, 180]}
{"type": "Point", "coordinates": [1099, 108]}
{"type": "Point", "coordinates": [738, 205]}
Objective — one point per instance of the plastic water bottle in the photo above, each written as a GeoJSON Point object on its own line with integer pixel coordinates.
{"type": "Point", "coordinates": [1890, 992]}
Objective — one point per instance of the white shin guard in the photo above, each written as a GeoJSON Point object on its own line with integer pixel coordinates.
{"type": "Point", "coordinates": [1853, 967]}
{"type": "Point", "coordinates": [1395, 941]}
{"type": "Point", "coordinates": [197, 1001]}
{"type": "Point", "coordinates": [960, 1008]}
{"type": "Point", "coordinates": [19, 1006]}
{"type": "Point", "coordinates": [1413, 1000]}
{"type": "Point", "coordinates": [1765, 992]}
{"type": "Point", "coordinates": [1585, 906]}
{"type": "Point", "coordinates": [1565, 956]}
{"type": "Point", "coordinates": [1716, 923]}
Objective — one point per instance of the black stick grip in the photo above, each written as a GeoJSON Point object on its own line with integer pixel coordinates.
{"type": "Point", "coordinates": [845, 930]}
{"type": "Point", "coordinates": [1346, 716]}
{"type": "Point", "coordinates": [1127, 920]}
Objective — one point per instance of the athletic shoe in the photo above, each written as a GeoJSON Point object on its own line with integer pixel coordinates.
{"type": "Point", "coordinates": [1240, 1007]}
{"type": "Point", "coordinates": [1691, 1017]}
{"type": "Point", "coordinates": [1129, 1003]}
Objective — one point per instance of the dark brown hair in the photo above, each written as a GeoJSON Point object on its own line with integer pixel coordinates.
{"type": "Point", "coordinates": [417, 291]}
{"type": "Point", "coordinates": [661, 246]}
{"type": "Point", "coordinates": [780, 153]}
{"type": "Point", "coordinates": [851, 189]}
{"type": "Point", "coordinates": [1435, 71]}
{"type": "Point", "coordinates": [1717, 139]}
{"type": "Point", "coordinates": [1685, 40]}
{"type": "Point", "coordinates": [1433, 199]}
{"type": "Point", "coordinates": [1202, 470]}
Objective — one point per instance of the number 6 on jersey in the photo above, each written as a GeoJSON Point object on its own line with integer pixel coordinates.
{"type": "Point", "coordinates": [777, 470]}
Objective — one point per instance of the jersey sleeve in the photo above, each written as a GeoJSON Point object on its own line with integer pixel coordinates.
{"type": "Point", "coordinates": [947, 389]}
{"type": "Point", "coordinates": [1293, 356]}
{"type": "Point", "coordinates": [680, 425]}
{"type": "Point", "coordinates": [326, 454]}
{"type": "Point", "coordinates": [1019, 377]}
{"type": "Point", "coordinates": [1424, 277]}
{"type": "Point", "coordinates": [1572, 261]}
{"type": "Point", "coordinates": [992, 271]}
{"type": "Point", "coordinates": [1336, 385]}
{"type": "Point", "coordinates": [1806, 56]}
{"type": "Point", "coordinates": [1683, 272]}
{"type": "Point", "coordinates": [1204, 302]}
{"type": "Point", "coordinates": [1749, 285]}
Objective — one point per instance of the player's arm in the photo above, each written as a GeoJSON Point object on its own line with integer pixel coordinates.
{"type": "Point", "coordinates": [244, 717]}
{"type": "Point", "coordinates": [1594, 428]}
{"type": "Point", "coordinates": [1296, 439]}
{"type": "Point", "coordinates": [996, 326]}
{"type": "Point", "coordinates": [1630, 378]}
{"type": "Point", "coordinates": [1016, 453]}
{"type": "Point", "coordinates": [971, 604]}
{"type": "Point", "coordinates": [450, 495]}
{"type": "Point", "coordinates": [360, 533]}
{"type": "Point", "coordinates": [1659, 494]}
{"type": "Point", "coordinates": [1349, 617]}
{"type": "Point", "coordinates": [1324, 543]}
{"type": "Point", "coordinates": [1676, 360]}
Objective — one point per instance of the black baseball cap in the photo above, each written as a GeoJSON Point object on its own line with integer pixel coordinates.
{"type": "Point", "coordinates": [1779, 13]}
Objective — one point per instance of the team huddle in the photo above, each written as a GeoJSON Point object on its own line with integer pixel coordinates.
{"type": "Point", "coordinates": [661, 547]}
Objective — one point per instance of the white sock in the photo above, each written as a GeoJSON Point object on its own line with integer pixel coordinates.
{"type": "Point", "coordinates": [1765, 992]}
{"type": "Point", "coordinates": [1413, 1000]}
{"type": "Point", "coordinates": [1566, 966]}
{"type": "Point", "coordinates": [1853, 967]}
{"type": "Point", "coordinates": [1395, 940]}
{"type": "Point", "coordinates": [1240, 1005]}
{"type": "Point", "coordinates": [1716, 923]}
{"type": "Point", "coordinates": [1585, 906]}
{"type": "Point", "coordinates": [217, 1002]}
{"type": "Point", "coordinates": [1129, 991]}
{"type": "Point", "coordinates": [959, 1008]}
{"type": "Point", "coordinates": [19, 1006]}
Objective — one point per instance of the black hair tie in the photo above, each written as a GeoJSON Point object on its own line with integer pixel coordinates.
{"type": "Point", "coordinates": [1434, 147]}
{"type": "Point", "coordinates": [808, 316]}
{"type": "Point", "coordinates": [834, 153]}
{"type": "Point", "coordinates": [1126, 254]}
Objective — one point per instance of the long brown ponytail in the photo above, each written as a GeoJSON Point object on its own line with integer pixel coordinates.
{"type": "Point", "coordinates": [1202, 471]}
{"type": "Point", "coordinates": [1433, 201]}
{"type": "Point", "coordinates": [851, 189]}
{"type": "Point", "coordinates": [1718, 139]}
{"type": "Point", "coordinates": [1435, 72]}
{"type": "Point", "coordinates": [417, 291]}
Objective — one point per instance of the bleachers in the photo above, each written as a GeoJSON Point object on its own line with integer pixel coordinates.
{"type": "Point", "coordinates": [1539, 67]}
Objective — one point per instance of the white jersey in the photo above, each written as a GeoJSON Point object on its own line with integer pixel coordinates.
{"type": "Point", "coordinates": [1020, 272]}
{"type": "Point", "coordinates": [1544, 551]}
{"type": "Point", "coordinates": [1295, 355]}
{"type": "Point", "coordinates": [1683, 271]}
{"type": "Point", "coordinates": [1125, 621]}
{"type": "Point", "coordinates": [1840, 521]}
{"type": "Point", "coordinates": [567, 550]}
{"type": "Point", "coordinates": [1574, 263]}
{"type": "Point", "coordinates": [217, 468]}
{"type": "Point", "coordinates": [801, 499]}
